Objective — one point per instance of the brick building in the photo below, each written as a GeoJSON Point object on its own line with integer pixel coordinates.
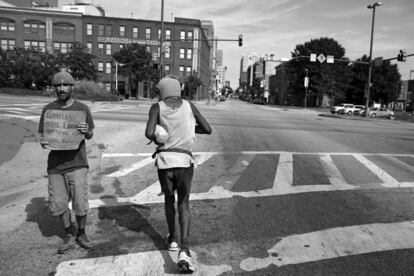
{"type": "Point", "coordinates": [186, 49]}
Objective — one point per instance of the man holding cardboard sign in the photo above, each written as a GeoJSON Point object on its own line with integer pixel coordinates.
{"type": "Point", "coordinates": [64, 125]}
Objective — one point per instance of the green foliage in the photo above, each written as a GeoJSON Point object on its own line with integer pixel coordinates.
{"type": "Point", "coordinates": [135, 64]}
{"type": "Point", "coordinates": [29, 68]}
{"type": "Point", "coordinates": [384, 78]}
{"type": "Point", "coordinates": [330, 79]}
{"type": "Point", "coordinates": [89, 90]}
{"type": "Point", "coordinates": [79, 62]}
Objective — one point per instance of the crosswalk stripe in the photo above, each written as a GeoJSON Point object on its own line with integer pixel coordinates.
{"type": "Point", "coordinates": [132, 168]}
{"type": "Point", "coordinates": [284, 174]}
{"type": "Point", "coordinates": [388, 180]}
{"type": "Point", "coordinates": [334, 243]}
{"type": "Point", "coordinates": [334, 175]}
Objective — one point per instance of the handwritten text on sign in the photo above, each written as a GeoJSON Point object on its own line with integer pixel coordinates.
{"type": "Point", "coordinates": [61, 129]}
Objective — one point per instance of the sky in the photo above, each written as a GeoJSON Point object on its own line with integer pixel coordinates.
{"type": "Point", "coordinates": [277, 26]}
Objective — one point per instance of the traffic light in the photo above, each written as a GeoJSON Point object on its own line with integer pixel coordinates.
{"type": "Point", "coordinates": [240, 40]}
{"type": "Point", "coordinates": [402, 56]}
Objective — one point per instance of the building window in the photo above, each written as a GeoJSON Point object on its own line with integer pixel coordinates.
{"type": "Point", "coordinates": [167, 34]}
{"type": "Point", "coordinates": [62, 47]}
{"type": "Point", "coordinates": [100, 66]}
{"type": "Point", "coordinates": [7, 26]}
{"type": "Point", "coordinates": [108, 86]}
{"type": "Point", "coordinates": [182, 53]}
{"type": "Point", "coordinates": [147, 33]}
{"type": "Point", "coordinates": [167, 52]}
{"type": "Point", "coordinates": [62, 27]}
{"type": "Point", "coordinates": [121, 31]}
{"type": "Point", "coordinates": [148, 48]}
{"type": "Point", "coordinates": [189, 35]}
{"type": "Point", "coordinates": [88, 29]}
{"type": "Point", "coordinates": [33, 27]}
{"type": "Point", "coordinates": [108, 30]}
{"type": "Point", "coordinates": [108, 68]}
{"type": "Point", "coordinates": [89, 47]}
{"type": "Point", "coordinates": [135, 32]}
{"type": "Point", "coordinates": [109, 49]}
{"type": "Point", "coordinates": [36, 45]}
{"type": "Point", "coordinates": [181, 70]}
{"type": "Point", "coordinates": [101, 30]}
{"type": "Point", "coordinates": [189, 53]}
{"type": "Point", "coordinates": [101, 48]}
{"type": "Point", "coordinates": [8, 44]}
{"type": "Point", "coordinates": [167, 68]}
{"type": "Point", "coordinates": [188, 70]}
{"type": "Point", "coordinates": [182, 35]}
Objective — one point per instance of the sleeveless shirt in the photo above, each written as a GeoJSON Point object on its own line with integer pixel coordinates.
{"type": "Point", "coordinates": [180, 125]}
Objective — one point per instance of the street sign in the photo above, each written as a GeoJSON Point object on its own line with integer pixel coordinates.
{"type": "Point", "coordinates": [330, 59]}
{"type": "Point", "coordinates": [306, 82]}
{"type": "Point", "coordinates": [313, 57]}
{"type": "Point", "coordinates": [321, 58]}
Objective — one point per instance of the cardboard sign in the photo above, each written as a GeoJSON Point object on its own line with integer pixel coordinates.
{"type": "Point", "coordinates": [60, 129]}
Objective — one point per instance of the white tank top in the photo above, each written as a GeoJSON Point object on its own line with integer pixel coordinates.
{"type": "Point", "coordinates": [180, 125]}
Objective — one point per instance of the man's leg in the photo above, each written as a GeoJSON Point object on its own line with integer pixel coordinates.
{"type": "Point", "coordinates": [184, 178]}
{"type": "Point", "coordinates": [58, 206]}
{"type": "Point", "coordinates": [166, 178]}
{"type": "Point", "coordinates": [79, 192]}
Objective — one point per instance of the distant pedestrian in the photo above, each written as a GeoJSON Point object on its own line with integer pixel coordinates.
{"type": "Point", "coordinates": [67, 169]}
{"type": "Point", "coordinates": [172, 125]}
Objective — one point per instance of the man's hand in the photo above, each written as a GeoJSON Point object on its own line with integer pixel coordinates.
{"type": "Point", "coordinates": [83, 128]}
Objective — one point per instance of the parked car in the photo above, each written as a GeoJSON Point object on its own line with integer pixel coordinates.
{"type": "Point", "coordinates": [358, 110]}
{"type": "Point", "coordinates": [379, 112]}
{"type": "Point", "coordinates": [350, 110]}
{"type": "Point", "coordinates": [335, 109]}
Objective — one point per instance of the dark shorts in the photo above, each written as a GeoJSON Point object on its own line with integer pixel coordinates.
{"type": "Point", "coordinates": [176, 179]}
{"type": "Point", "coordinates": [67, 187]}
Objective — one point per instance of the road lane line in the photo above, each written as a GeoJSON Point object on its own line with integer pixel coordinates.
{"type": "Point", "coordinates": [141, 264]}
{"type": "Point", "coordinates": [334, 175]}
{"type": "Point", "coordinates": [284, 174]}
{"type": "Point", "coordinates": [151, 194]}
{"type": "Point", "coordinates": [133, 167]}
{"type": "Point", "coordinates": [334, 243]}
{"type": "Point", "coordinates": [388, 180]}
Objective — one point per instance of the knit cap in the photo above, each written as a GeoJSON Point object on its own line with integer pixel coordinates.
{"type": "Point", "coordinates": [169, 87]}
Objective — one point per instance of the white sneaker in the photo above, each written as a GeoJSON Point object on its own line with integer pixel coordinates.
{"type": "Point", "coordinates": [172, 246]}
{"type": "Point", "coordinates": [184, 262]}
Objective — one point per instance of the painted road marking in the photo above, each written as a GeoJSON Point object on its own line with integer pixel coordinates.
{"type": "Point", "coordinates": [388, 180]}
{"type": "Point", "coordinates": [334, 243]}
{"type": "Point", "coordinates": [142, 263]}
{"type": "Point", "coordinates": [282, 183]}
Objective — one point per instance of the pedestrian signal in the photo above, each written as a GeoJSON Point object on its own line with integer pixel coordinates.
{"type": "Point", "coordinates": [240, 40]}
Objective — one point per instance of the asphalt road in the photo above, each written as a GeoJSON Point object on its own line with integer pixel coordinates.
{"type": "Point", "coordinates": [276, 191]}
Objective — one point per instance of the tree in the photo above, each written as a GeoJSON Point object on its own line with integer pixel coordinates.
{"type": "Point", "coordinates": [385, 79]}
{"type": "Point", "coordinates": [136, 65]}
{"type": "Point", "coordinates": [324, 79]}
{"type": "Point", "coordinates": [191, 84]}
{"type": "Point", "coordinates": [79, 62]}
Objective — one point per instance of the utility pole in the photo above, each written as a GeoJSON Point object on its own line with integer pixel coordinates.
{"type": "Point", "coordinates": [162, 41]}
{"type": "Point", "coordinates": [370, 55]}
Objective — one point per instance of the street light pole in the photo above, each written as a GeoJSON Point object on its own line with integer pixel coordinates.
{"type": "Point", "coordinates": [370, 56]}
{"type": "Point", "coordinates": [306, 83]}
{"type": "Point", "coordinates": [162, 40]}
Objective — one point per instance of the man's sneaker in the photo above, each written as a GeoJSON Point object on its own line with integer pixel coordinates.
{"type": "Point", "coordinates": [171, 244]}
{"type": "Point", "coordinates": [68, 244]}
{"type": "Point", "coordinates": [184, 262]}
{"type": "Point", "coordinates": [83, 241]}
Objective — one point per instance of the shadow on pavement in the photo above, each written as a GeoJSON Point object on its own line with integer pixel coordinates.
{"type": "Point", "coordinates": [134, 218]}
{"type": "Point", "coordinates": [37, 211]}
